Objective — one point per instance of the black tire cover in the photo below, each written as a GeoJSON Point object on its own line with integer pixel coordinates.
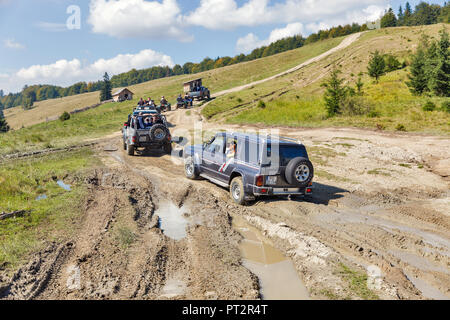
{"type": "Point", "coordinates": [156, 128]}
{"type": "Point", "coordinates": [292, 167]}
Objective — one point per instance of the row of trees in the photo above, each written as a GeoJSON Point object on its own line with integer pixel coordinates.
{"type": "Point", "coordinates": [423, 14]}
{"type": "Point", "coordinates": [31, 94]}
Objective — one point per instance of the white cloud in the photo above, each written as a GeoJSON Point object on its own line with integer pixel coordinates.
{"type": "Point", "coordinates": [226, 14]}
{"type": "Point", "coordinates": [251, 41]}
{"type": "Point", "coordinates": [66, 72]}
{"type": "Point", "coordinates": [12, 44]}
{"type": "Point", "coordinates": [137, 18]}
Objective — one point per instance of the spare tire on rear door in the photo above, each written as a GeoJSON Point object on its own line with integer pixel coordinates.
{"type": "Point", "coordinates": [158, 132]}
{"type": "Point", "coordinates": [299, 172]}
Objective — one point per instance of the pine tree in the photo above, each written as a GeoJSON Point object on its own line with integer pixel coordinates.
{"type": "Point", "coordinates": [441, 83]}
{"type": "Point", "coordinates": [407, 15]}
{"type": "Point", "coordinates": [389, 19]}
{"type": "Point", "coordinates": [400, 16]}
{"type": "Point", "coordinates": [376, 65]}
{"type": "Point", "coordinates": [418, 77]}
{"type": "Point", "coordinates": [105, 93]}
{"type": "Point", "coordinates": [4, 127]}
{"type": "Point", "coordinates": [335, 92]}
{"type": "Point", "coordinates": [359, 85]}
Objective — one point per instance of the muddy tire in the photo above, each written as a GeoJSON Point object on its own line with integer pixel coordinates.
{"type": "Point", "coordinates": [158, 132]}
{"type": "Point", "coordinates": [237, 190]}
{"type": "Point", "coordinates": [299, 172]}
{"type": "Point", "coordinates": [190, 169]}
{"type": "Point", "coordinates": [130, 150]}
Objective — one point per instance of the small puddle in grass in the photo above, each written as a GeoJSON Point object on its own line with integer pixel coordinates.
{"type": "Point", "coordinates": [278, 278]}
{"type": "Point", "coordinates": [63, 185]}
{"type": "Point", "coordinates": [171, 220]}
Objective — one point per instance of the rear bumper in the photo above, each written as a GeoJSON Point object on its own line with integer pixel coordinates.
{"type": "Point", "coordinates": [274, 191]}
{"type": "Point", "coordinates": [154, 145]}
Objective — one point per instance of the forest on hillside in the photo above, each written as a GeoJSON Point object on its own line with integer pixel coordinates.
{"type": "Point", "coordinates": [423, 14]}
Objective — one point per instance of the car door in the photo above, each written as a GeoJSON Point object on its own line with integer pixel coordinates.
{"type": "Point", "coordinates": [213, 155]}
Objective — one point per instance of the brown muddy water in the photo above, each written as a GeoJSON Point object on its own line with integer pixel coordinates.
{"type": "Point", "coordinates": [278, 278]}
{"type": "Point", "coordinates": [171, 220]}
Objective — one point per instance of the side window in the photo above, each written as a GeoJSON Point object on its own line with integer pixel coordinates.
{"type": "Point", "coordinates": [217, 145]}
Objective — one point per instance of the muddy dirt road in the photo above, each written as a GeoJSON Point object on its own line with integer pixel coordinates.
{"type": "Point", "coordinates": [381, 203]}
{"type": "Point", "coordinates": [380, 214]}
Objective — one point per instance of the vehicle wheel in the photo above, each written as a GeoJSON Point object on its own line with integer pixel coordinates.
{"type": "Point", "coordinates": [158, 132]}
{"type": "Point", "coordinates": [130, 150]}
{"type": "Point", "coordinates": [124, 145]}
{"type": "Point", "coordinates": [190, 170]}
{"type": "Point", "coordinates": [237, 190]}
{"type": "Point", "coordinates": [299, 172]}
{"type": "Point", "coordinates": [168, 148]}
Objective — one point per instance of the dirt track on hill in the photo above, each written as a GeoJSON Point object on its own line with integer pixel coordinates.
{"type": "Point", "coordinates": [381, 202]}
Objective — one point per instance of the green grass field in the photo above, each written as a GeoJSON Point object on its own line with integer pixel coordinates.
{"type": "Point", "coordinates": [109, 117]}
{"type": "Point", "coordinates": [296, 99]}
{"type": "Point", "coordinates": [52, 218]}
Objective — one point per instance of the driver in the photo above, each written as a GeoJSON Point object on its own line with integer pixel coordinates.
{"type": "Point", "coordinates": [163, 100]}
{"type": "Point", "coordinates": [231, 149]}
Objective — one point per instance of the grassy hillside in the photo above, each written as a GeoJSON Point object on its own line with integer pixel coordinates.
{"type": "Point", "coordinates": [215, 80]}
{"type": "Point", "coordinates": [52, 218]}
{"type": "Point", "coordinates": [296, 99]}
{"type": "Point", "coordinates": [109, 117]}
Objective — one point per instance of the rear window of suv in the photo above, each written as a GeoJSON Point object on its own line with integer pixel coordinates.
{"type": "Point", "coordinates": [289, 152]}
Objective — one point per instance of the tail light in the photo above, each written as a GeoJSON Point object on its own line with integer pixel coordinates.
{"type": "Point", "coordinates": [133, 139]}
{"type": "Point", "coordinates": [125, 124]}
{"type": "Point", "coordinates": [308, 190]}
{"type": "Point", "coordinates": [259, 181]}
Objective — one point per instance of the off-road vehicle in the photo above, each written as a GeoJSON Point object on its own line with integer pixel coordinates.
{"type": "Point", "coordinates": [251, 165]}
{"type": "Point", "coordinates": [136, 134]}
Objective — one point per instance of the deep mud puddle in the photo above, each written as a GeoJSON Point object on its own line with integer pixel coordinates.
{"type": "Point", "coordinates": [171, 220]}
{"type": "Point", "coordinates": [277, 275]}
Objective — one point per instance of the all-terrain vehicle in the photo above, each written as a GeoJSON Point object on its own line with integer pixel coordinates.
{"type": "Point", "coordinates": [146, 129]}
{"type": "Point", "coordinates": [165, 107]}
{"type": "Point", "coordinates": [183, 103]}
{"type": "Point", "coordinates": [251, 165]}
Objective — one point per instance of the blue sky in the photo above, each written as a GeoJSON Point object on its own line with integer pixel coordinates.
{"type": "Point", "coordinates": [114, 36]}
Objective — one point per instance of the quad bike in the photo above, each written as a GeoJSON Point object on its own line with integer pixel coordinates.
{"type": "Point", "coordinates": [165, 107]}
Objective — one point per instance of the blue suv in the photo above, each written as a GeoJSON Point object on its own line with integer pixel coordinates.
{"type": "Point", "coordinates": [251, 165]}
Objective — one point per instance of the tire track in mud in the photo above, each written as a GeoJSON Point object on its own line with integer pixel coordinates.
{"type": "Point", "coordinates": [206, 264]}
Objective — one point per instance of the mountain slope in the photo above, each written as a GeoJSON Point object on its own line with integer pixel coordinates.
{"type": "Point", "coordinates": [216, 80]}
{"type": "Point", "coordinates": [296, 99]}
